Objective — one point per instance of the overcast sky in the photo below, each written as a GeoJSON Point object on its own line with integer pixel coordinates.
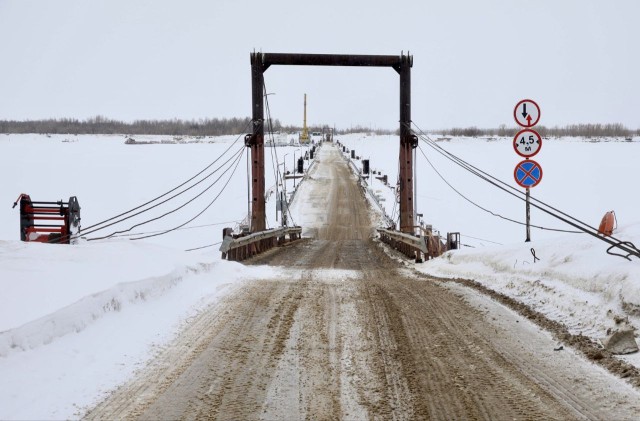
{"type": "Point", "coordinates": [473, 60]}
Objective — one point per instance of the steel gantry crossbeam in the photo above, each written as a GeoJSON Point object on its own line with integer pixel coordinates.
{"type": "Point", "coordinates": [260, 62]}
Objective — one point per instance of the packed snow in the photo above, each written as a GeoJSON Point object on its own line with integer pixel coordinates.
{"type": "Point", "coordinates": [76, 321]}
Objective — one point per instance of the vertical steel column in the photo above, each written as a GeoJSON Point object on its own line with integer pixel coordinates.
{"type": "Point", "coordinates": [256, 142]}
{"type": "Point", "coordinates": [407, 144]}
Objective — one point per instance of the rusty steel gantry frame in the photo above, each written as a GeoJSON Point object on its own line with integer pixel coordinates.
{"type": "Point", "coordinates": [260, 62]}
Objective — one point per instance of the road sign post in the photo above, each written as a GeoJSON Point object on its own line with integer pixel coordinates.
{"type": "Point", "coordinates": [528, 215]}
{"type": "Point", "coordinates": [527, 143]}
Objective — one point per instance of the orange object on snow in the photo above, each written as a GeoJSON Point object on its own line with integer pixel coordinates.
{"type": "Point", "coordinates": [606, 226]}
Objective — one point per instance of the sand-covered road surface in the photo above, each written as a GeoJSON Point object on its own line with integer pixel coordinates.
{"type": "Point", "coordinates": [350, 333]}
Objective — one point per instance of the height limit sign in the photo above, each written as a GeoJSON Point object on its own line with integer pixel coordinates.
{"type": "Point", "coordinates": [527, 143]}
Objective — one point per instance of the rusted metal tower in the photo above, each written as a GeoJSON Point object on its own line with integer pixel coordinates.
{"type": "Point", "coordinates": [402, 64]}
{"type": "Point", "coordinates": [255, 140]}
{"type": "Point", "coordinates": [408, 142]}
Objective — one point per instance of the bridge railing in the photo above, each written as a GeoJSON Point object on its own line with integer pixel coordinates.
{"type": "Point", "coordinates": [242, 247]}
{"type": "Point", "coordinates": [417, 246]}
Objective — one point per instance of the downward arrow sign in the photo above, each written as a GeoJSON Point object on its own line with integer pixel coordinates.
{"type": "Point", "coordinates": [524, 110]}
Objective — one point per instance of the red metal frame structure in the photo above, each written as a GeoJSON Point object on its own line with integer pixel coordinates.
{"type": "Point", "coordinates": [402, 64]}
{"type": "Point", "coordinates": [66, 214]}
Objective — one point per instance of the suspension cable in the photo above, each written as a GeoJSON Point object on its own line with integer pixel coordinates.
{"type": "Point", "coordinates": [175, 188]}
{"type": "Point", "coordinates": [95, 227]}
{"type": "Point", "coordinates": [485, 209]}
{"type": "Point", "coordinates": [204, 247]}
{"type": "Point", "coordinates": [482, 239]}
{"type": "Point", "coordinates": [275, 165]}
{"type": "Point", "coordinates": [626, 246]}
{"type": "Point", "coordinates": [202, 211]}
{"type": "Point", "coordinates": [270, 124]}
{"type": "Point", "coordinates": [133, 234]}
{"type": "Point", "coordinates": [488, 177]}
{"type": "Point", "coordinates": [237, 155]}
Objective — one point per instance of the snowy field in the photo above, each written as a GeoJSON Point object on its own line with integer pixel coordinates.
{"type": "Point", "coordinates": [77, 321]}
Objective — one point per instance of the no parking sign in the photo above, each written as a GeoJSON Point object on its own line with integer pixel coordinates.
{"type": "Point", "coordinates": [528, 173]}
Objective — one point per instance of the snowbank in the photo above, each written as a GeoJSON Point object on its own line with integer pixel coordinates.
{"type": "Point", "coordinates": [574, 281]}
{"type": "Point", "coordinates": [78, 320]}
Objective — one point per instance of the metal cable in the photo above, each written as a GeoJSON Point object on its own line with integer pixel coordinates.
{"type": "Point", "coordinates": [270, 123]}
{"type": "Point", "coordinates": [275, 165]}
{"type": "Point", "coordinates": [570, 220]}
{"type": "Point", "coordinates": [485, 209]}
{"type": "Point", "coordinates": [173, 189]}
{"type": "Point", "coordinates": [236, 155]}
{"type": "Point", "coordinates": [496, 181]}
{"type": "Point", "coordinates": [481, 239]}
{"type": "Point", "coordinates": [202, 211]}
{"type": "Point", "coordinates": [204, 247]}
{"type": "Point", "coordinates": [133, 234]}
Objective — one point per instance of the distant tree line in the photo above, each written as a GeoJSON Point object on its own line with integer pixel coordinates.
{"type": "Point", "coordinates": [175, 127]}
{"type": "Point", "coordinates": [585, 130]}
{"type": "Point", "coordinates": [226, 126]}
{"type": "Point", "coordinates": [102, 125]}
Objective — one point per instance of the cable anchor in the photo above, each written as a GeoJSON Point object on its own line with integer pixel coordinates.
{"type": "Point", "coordinates": [628, 244]}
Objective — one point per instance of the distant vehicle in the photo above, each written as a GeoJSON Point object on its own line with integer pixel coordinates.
{"type": "Point", "coordinates": [316, 136]}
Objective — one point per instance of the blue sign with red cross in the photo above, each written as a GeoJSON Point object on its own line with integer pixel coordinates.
{"type": "Point", "coordinates": [528, 173]}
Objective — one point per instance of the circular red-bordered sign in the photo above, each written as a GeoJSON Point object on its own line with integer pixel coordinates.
{"type": "Point", "coordinates": [526, 113]}
{"type": "Point", "coordinates": [528, 173]}
{"type": "Point", "coordinates": [527, 143]}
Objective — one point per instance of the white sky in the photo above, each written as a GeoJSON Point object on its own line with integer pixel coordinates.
{"type": "Point", "coordinates": [473, 60]}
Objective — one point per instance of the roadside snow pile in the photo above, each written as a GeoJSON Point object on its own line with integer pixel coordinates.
{"type": "Point", "coordinates": [51, 291]}
{"type": "Point", "coordinates": [76, 321]}
{"type": "Point", "coordinates": [574, 281]}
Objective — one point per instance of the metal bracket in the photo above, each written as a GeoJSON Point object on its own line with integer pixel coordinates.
{"type": "Point", "coordinates": [628, 244]}
{"type": "Point", "coordinates": [414, 141]}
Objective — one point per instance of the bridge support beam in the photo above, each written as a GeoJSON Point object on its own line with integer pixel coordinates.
{"type": "Point", "coordinates": [256, 142]}
{"type": "Point", "coordinates": [407, 143]}
{"type": "Point", "coordinates": [260, 62]}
